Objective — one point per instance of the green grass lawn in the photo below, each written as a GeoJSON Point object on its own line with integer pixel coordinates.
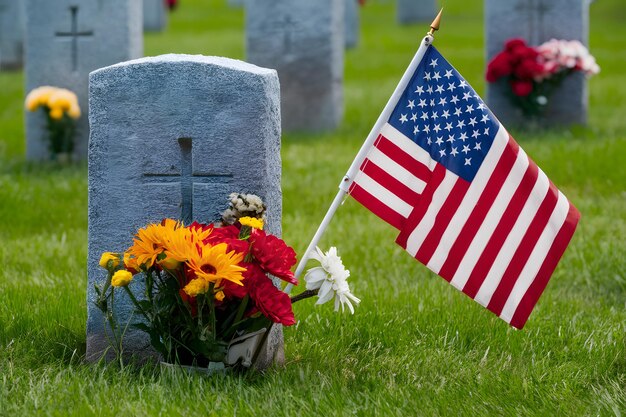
{"type": "Point", "coordinates": [416, 346]}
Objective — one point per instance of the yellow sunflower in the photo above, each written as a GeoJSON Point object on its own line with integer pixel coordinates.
{"type": "Point", "coordinates": [151, 241]}
{"type": "Point", "coordinates": [214, 264]}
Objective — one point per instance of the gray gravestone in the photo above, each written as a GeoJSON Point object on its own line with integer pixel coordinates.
{"type": "Point", "coordinates": [416, 11]}
{"type": "Point", "coordinates": [173, 136]}
{"type": "Point", "coordinates": [537, 21]}
{"type": "Point", "coordinates": [67, 39]}
{"type": "Point", "coordinates": [303, 40]}
{"type": "Point", "coordinates": [352, 23]}
{"type": "Point", "coordinates": [154, 15]}
{"type": "Point", "coordinates": [11, 34]}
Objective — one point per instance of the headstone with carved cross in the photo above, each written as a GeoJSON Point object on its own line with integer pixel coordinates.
{"type": "Point", "coordinates": [67, 39]}
{"type": "Point", "coordinates": [537, 21]}
{"type": "Point", "coordinates": [416, 11]}
{"type": "Point", "coordinates": [351, 27]}
{"type": "Point", "coordinates": [154, 15]}
{"type": "Point", "coordinates": [304, 41]}
{"type": "Point", "coordinates": [173, 136]}
{"type": "Point", "coordinates": [11, 34]}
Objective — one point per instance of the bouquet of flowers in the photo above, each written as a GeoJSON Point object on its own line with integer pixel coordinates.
{"type": "Point", "coordinates": [61, 109]}
{"type": "Point", "coordinates": [205, 284]}
{"type": "Point", "coordinates": [530, 74]}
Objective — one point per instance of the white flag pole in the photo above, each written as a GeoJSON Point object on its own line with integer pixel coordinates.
{"type": "Point", "coordinates": [347, 180]}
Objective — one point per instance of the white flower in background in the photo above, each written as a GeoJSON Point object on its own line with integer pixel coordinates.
{"type": "Point", "coordinates": [331, 280]}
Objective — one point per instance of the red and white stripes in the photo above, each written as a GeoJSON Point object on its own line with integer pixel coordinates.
{"type": "Point", "coordinates": [497, 238]}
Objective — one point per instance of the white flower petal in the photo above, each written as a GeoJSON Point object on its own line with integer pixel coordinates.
{"type": "Point", "coordinates": [325, 293]}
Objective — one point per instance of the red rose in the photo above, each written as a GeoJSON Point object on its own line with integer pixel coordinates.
{"type": "Point", "coordinates": [272, 302]}
{"type": "Point", "coordinates": [273, 255]}
{"type": "Point", "coordinates": [514, 43]}
{"type": "Point", "coordinates": [528, 69]}
{"type": "Point", "coordinates": [500, 66]}
{"type": "Point", "coordinates": [522, 88]}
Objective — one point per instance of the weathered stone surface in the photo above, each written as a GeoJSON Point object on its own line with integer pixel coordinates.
{"type": "Point", "coordinates": [154, 15]}
{"type": "Point", "coordinates": [352, 29]}
{"type": "Point", "coordinates": [415, 11]}
{"type": "Point", "coordinates": [173, 136]}
{"type": "Point", "coordinates": [538, 21]}
{"type": "Point", "coordinates": [304, 41]}
{"type": "Point", "coordinates": [67, 39]}
{"type": "Point", "coordinates": [11, 34]}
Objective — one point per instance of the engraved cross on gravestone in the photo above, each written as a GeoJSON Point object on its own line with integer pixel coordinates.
{"type": "Point", "coordinates": [73, 36]}
{"type": "Point", "coordinates": [187, 178]}
{"type": "Point", "coordinates": [535, 12]}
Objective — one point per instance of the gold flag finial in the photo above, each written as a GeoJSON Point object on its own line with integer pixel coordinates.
{"type": "Point", "coordinates": [435, 25]}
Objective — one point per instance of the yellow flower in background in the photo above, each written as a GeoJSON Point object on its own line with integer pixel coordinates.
{"type": "Point", "coordinates": [252, 222]}
{"type": "Point", "coordinates": [57, 100]}
{"type": "Point", "coordinates": [213, 264]}
{"type": "Point", "coordinates": [56, 114]}
{"type": "Point", "coordinates": [219, 296]}
{"type": "Point", "coordinates": [121, 278]}
{"type": "Point", "coordinates": [74, 111]}
{"type": "Point", "coordinates": [196, 286]}
{"type": "Point", "coordinates": [109, 256]}
{"type": "Point", "coordinates": [38, 97]}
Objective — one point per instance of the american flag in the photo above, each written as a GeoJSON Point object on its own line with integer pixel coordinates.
{"type": "Point", "coordinates": [467, 200]}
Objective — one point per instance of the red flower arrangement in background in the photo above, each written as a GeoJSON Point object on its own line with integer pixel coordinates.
{"type": "Point", "coordinates": [172, 4]}
{"type": "Point", "coordinates": [530, 74]}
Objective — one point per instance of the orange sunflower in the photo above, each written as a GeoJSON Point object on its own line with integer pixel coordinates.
{"type": "Point", "coordinates": [151, 241]}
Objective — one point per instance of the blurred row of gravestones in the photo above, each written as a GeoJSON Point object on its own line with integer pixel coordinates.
{"type": "Point", "coordinates": [62, 41]}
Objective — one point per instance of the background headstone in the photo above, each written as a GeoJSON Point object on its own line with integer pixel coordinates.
{"type": "Point", "coordinates": [11, 34]}
{"type": "Point", "coordinates": [352, 28]}
{"type": "Point", "coordinates": [67, 39]}
{"type": "Point", "coordinates": [154, 15]}
{"type": "Point", "coordinates": [537, 21]}
{"type": "Point", "coordinates": [173, 136]}
{"type": "Point", "coordinates": [417, 11]}
{"type": "Point", "coordinates": [304, 41]}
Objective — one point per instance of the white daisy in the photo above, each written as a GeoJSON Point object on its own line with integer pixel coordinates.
{"type": "Point", "coordinates": [331, 280]}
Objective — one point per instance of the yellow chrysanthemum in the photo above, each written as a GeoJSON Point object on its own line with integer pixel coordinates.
{"type": "Point", "coordinates": [196, 286]}
{"type": "Point", "coordinates": [56, 113]}
{"type": "Point", "coordinates": [38, 97]}
{"type": "Point", "coordinates": [151, 241]}
{"type": "Point", "coordinates": [121, 278]}
{"type": "Point", "coordinates": [74, 111]}
{"type": "Point", "coordinates": [62, 99]}
{"type": "Point", "coordinates": [252, 222]}
{"type": "Point", "coordinates": [109, 256]}
{"type": "Point", "coordinates": [213, 264]}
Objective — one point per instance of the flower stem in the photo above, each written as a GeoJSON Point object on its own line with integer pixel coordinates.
{"type": "Point", "coordinates": [303, 295]}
